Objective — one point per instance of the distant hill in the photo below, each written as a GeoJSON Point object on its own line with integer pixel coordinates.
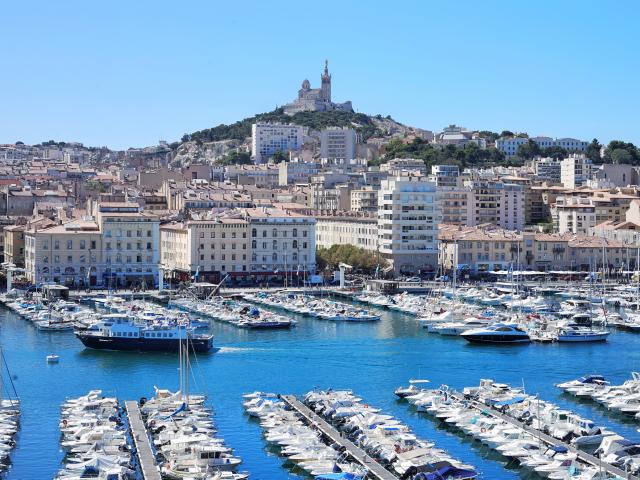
{"type": "Point", "coordinates": [367, 126]}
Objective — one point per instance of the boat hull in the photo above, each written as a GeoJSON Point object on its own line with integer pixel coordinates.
{"type": "Point", "coordinates": [142, 344]}
{"type": "Point", "coordinates": [502, 339]}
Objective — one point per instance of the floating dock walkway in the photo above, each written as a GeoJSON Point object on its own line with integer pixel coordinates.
{"type": "Point", "coordinates": [375, 469]}
{"type": "Point", "coordinates": [582, 456]}
{"type": "Point", "coordinates": [146, 459]}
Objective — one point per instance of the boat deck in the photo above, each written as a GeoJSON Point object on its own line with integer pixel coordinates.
{"type": "Point", "coordinates": [549, 440]}
{"type": "Point", "coordinates": [146, 459]}
{"type": "Point", "coordinates": [375, 469]}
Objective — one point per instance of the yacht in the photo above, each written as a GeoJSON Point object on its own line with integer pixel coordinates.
{"type": "Point", "coordinates": [121, 332]}
{"type": "Point", "coordinates": [497, 333]}
{"type": "Point", "coordinates": [572, 333]}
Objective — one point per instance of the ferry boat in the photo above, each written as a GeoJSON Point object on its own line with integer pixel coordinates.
{"type": "Point", "coordinates": [120, 332]}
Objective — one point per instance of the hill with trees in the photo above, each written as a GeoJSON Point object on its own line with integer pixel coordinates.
{"type": "Point", "coordinates": [363, 124]}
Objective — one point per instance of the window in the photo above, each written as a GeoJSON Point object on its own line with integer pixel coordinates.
{"type": "Point", "coordinates": [253, 232]}
{"type": "Point", "coordinates": [274, 233]}
{"type": "Point", "coordinates": [56, 259]}
{"type": "Point", "coordinates": [304, 233]}
{"type": "Point", "coordinates": [56, 245]}
{"type": "Point", "coordinates": [69, 258]}
{"type": "Point", "coordinates": [148, 245]}
{"type": "Point", "coordinates": [148, 233]}
{"type": "Point", "coordinates": [295, 244]}
{"type": "Point", "coordinates": [45, 259]}
{"type": "Point", "coordinates": [45, 245]}
{"type": "Point", "coordinates": [264, 234]}
{"type": "Point", "coordinates": [224, 235]}
{"type": "Point", "coordinates": [295, 232]}
{"type": "Point", "coordinates": [129, 233]}
{"type": "Point", "coordinates": [275, 244]}
{"type": "Point", "coordinates": [254, 244]}
{"type": "Point", "coordinates": [244, 234]}
{"type": "Point", "coordinates": [82, 259]}
{"type": "Point", "coordinates": [274, 257]}
{"type": "Point", "coordinates": [139, 233]}
{"type": "Point", "coordinates": [264, 245]}
{"type": "Point", "coordinates": [233, 234]}
{"type": "Point", "coordinates": [82, 244]}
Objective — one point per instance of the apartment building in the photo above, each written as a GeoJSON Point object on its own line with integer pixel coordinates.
{"type": "Point", "coordinates": [364, 200]}
{"type": "Point", "coordinates": [206, 250]}
{"type": "Point", "coordinates": [404, 166]}
{"type": "Point", "coordinates": [408, 217]}
{"type": "Point", "coordinates": [347, 229]}
{"type": "Point", "coordinates": [445, 175]}
{"type": "Point", "coordinates": [282, 242]}
{"type": "Point", "coordinates": [269, 138]}
{"type": "Point", "coordinates": [575, 170]}
{"type": "Point", "coordinates": [547, 169]}
{"type": "Point", "coordinates": [131, 240]}
{"type": "Point", "coordinates": [293, 172]}
{"type": "Point", "coordinates": [69, 254]}
{"type": "Point", "coordinates": [509, 145]}
{"type": "Point", "coordinates": [14, 244]}
{"type": "Point", "coordinates": [485, 249]}
{"type": "Point", "coordinates": [497, 203]}
{"type": "Point", "coordinates": [338, 143]}
{"type": "Point", "coordinates": [456, 204]}
{"type": "Point", "coordinates": [573, 214]}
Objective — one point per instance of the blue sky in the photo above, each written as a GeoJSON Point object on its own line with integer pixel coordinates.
{"type": "Point", "coordinates": [130, 73]}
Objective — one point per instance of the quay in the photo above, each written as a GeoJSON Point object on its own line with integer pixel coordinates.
{"type": "Point", "coordinates": [549, 440]}
{"type": "Point", "coordinates": [146, 459]}
{"type": "Point", "coordinates": [375, 469]}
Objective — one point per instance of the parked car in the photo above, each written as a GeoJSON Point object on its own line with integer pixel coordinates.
{"type": "Point", "coordinates": [414, 280]}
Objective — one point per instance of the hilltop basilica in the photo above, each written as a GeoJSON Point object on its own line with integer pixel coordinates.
{"type": "Point", "coordinates": [316, 99]}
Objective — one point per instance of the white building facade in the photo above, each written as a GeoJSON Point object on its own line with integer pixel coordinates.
{"type": "Point", "coordinates": [338, 143]}
{"type": "Point", "coordinates": [269, 138]}
{"type": "Point", "coordinates": [408, 217]}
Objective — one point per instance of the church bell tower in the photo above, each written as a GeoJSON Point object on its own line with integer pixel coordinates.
{"type": "Point", "coordinates": [326, 82]}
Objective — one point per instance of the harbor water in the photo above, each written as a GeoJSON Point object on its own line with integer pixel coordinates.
{"type": "Point", "coordinates": [370, 358]}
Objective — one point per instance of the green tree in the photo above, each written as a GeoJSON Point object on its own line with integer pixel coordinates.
{"type": "Point", "coordinates": [621, 156]}
{"type": "Point", "coordinates": [593, 151]}
{"type": "Point", "coordinates": [632, 158]}
{"type": "Point", "coordinates": [529, 150]}
{"type": "Point", "coordinates": [235, 158]}
{"type": "Point", "coordinates": [556, 152]}
{"type": "Point", "coordinates": [360, 259]}
{"type": "Point", "coordinates": [280, 156]}
{"type": "Point", "coordinates": [507, 133]}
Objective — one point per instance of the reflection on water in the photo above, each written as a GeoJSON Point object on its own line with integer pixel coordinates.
{"type": "Point", "coordinates": [370, 358]}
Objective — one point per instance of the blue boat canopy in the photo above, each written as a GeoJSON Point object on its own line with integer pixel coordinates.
{"type": "Point", "coordinates": [559, 449]}
{"type": "Point", "coordinates": [510, 401]}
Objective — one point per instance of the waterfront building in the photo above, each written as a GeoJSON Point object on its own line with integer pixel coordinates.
{"type": "Point", "coordinates": [338, 144]}
{"type": "Point", "coordinates": [269, 138]}
{"type": "Point", "coordinates": [575, 170]}
{"type": "Point", "coordinates": [68, 254]}
{"type": "Point", "coordinates": [205, 250]}
{"type": "Point", "coordinates": [130, 244]}
{"type": "Point", "coordinates": [488, 248]}
{"type": "Point", "coordinates": [497, 203]}
{"type": "Point", "coordinates": [14, 244]}
{"type": "Point", "coordinates": [346, 228]}
{"type": "Point", "coordinates": [460, 136]}
{"type": "Point", "coordinates": [283, 242]}
{"type": "Point", "coordinates": [408, 217]}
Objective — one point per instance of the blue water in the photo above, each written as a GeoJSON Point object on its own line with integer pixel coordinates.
{"type": "Point", "coordinates": [372, 359]}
